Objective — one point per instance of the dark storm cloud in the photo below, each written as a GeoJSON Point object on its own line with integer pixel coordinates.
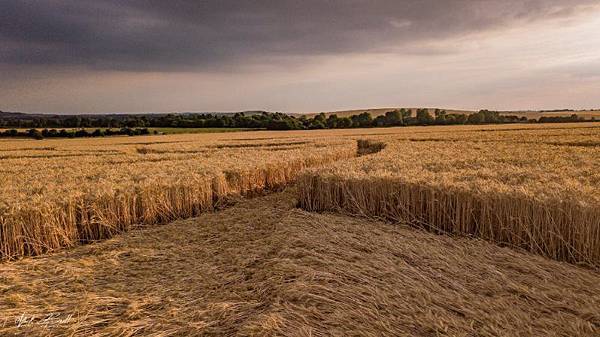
{"type": "Point", "coordinates": [184, 35]}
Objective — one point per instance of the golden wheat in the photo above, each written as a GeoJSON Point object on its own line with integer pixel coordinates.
{"type": "Point", "coordinates": [535, 189]}
{"type": "Point", "coordinates": [58, 193]}
{"type": "Point", "coordinates": [264, 268]}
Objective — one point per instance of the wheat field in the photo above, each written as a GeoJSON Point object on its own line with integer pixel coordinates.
{"type": "Point", "coordinates": [266, 268]}
{"type": "Point", "coordinates": [534, 189]}
{"type": "Point", "coordinates": [528, 186]}
{"type": "Point", "coordinates": [59, 193]}
{"type": "Point", "coordinates": [441, 231]}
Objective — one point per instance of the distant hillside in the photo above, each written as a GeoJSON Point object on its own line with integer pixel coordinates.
{"type": "Point", "coordinates": [587, 114]}
{"type": "Point", "coordinates": [381, 111]}
{"type": "Point", "coordinates": [16, 115]}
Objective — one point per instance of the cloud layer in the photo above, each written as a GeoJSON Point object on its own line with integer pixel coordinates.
{"type": "Point", "coordinates": [78, 56]}
{"type": "Point", "coordinates": [188, 35]}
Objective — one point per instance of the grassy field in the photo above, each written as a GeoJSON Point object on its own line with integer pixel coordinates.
{"type": "Point", "coordinates": [486, 230]}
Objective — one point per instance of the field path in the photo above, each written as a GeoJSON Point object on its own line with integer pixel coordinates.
{"type": "Point", "coordinates": [264, 267]}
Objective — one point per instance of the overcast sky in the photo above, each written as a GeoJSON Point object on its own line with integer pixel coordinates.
{"type": "Point", "coordinates": [89, 56]}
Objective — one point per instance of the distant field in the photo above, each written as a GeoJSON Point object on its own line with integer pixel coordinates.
{"type": "Point", "coordinates": [587, 114]}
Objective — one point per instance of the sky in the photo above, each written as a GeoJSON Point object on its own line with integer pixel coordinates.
{"type": "Point", "coordinates": [106, 56]}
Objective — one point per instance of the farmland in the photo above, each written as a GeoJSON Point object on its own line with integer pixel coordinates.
{"type": "Point", "coordinates": [264, 267]}
{"type": "Point", "coordinates": [533, 189]}
{"type": "Point", "coordinates": [443, 230]}
{"type": "Point", "coordinates": [59, 193]}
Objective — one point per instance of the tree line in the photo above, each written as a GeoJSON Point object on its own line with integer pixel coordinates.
{"type": "Point", "coordinates": [54, 133]}
{"type": "Point", "coordinates": [139, 124]}
{"type": "Point", "coordinates": [183, 120]}
{"type": "Point", "coordinates": [404, 117]}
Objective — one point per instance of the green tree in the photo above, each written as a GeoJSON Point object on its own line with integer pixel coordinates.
{"type": "Point", "coordinates": [317, 124]}
{"type": "Point", "coordinates": [440, 116]}
{"type": "Point", "coordinates": [332, 121]}
{"type": "Point", "coordinates": [393, 118]}
{"type": "Point", "coordinates": [321, 118]}
{"type": "Point", "coordinates": [380, 121]}
{"type": "Point", "coordinates": [362, 120]}
{"type": "Point", "coordinates": [476, 118]}
{"type": "Point", "coordinates": [344, 122]}
{"type": "Point", "coordinates": [424, 117]}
